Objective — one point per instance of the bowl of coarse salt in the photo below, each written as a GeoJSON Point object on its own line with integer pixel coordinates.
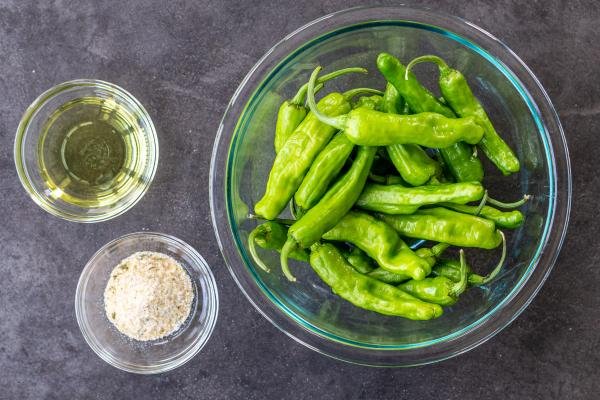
{"type": "Point", "coordinates": [146, 302]}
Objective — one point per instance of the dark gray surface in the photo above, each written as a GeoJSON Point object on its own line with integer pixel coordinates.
{"type": "Point", "coordinates": [183, 60]}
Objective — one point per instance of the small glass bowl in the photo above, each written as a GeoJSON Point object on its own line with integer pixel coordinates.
{"type": "Point", "coordinates": [307, 310]}
{"type": "Point", "coordinates": [28, 137]}
{"type": "Point", "coordinates": [154, 356]}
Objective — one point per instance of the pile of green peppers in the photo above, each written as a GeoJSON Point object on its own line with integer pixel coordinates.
{"type": "Point", "coordinates": [366, 176]}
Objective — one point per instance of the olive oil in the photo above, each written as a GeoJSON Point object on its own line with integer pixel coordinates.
{"type": "Point", "coordinates": [88, 152]}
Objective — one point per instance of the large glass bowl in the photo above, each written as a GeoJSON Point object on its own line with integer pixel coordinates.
{"type": "Point", "coordinates": [521, 110]}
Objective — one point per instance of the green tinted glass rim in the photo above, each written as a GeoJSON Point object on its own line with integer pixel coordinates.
{"type": "Point", "coordinates": [257, 97]}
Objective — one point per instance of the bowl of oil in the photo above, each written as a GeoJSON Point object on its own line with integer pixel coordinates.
{"type": "Point", "coordinates": [86, 150]}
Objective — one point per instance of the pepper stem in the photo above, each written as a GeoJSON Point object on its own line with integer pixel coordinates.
{"type": "Point", "coordinates": [356, 91]}
{"type": "Point", "coordinates": [514, 204]}
{"type": "Point", "coordinates": [478, 280]}
{"type": "Point", "coordinates": [336, 122]}
{"type": "Point", "coordinates": [427, 58]}
{"type": "Point", "coordinates": [439, 248]}
{"type": "Point", "coordinates": [484, 200]}
{"type": "Point", "coordinates": [283, 221]}
{"type": "Point", "coordinates": [287, 248]}
{"type": "Point", "coordinates": [300, 96]}
{"type": "Point", "coordinates": [461, 285]}
{"type": "Point", "coordinates": [252, 247]}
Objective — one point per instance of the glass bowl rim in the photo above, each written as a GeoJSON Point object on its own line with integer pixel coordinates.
{"type": "Point", "coordinates": [23, 128]}
{"type": "Point", "coordinates": [210, 297]}
{"type": "Point", "coordinates": [293, 325]}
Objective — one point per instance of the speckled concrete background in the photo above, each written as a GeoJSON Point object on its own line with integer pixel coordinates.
{"type": "Point", "coordinates": [183, 60]}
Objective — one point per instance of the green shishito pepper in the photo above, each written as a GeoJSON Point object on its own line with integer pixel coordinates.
{"type": "Point", "coordinates": [374, 128]}
{"type": "Point", "coordinates": [430, 255]}
{"type": "Point", "coordinates": [410, 160]}
{"type": "Point", "coordinates": [398, 199]}
{"type": "Point", "coordinates": [372, 102]}
{"type": "Point", "coordinates": [359, 260]}
{"type": "Point", "coordinates": [327, 165]}
{"type": "Point", "coordinates": [366, 292]}
{"type": "Point", "coordinates": [439, 289]}
{"type": "Point", "coordinates": [271, 235]}
{"type": "Point", "coordinates": [502, 219]}
{"type": "Point", "coordinates": [459, 157]}
{"type": "Point", "coordinates": [381, 243]}
{"type": "Point", "coordinates": [446, 226]}
{"type": "Point", "coordinates": [297, 154]}
{"type": "Point", "coordinates": [330, 209]}
{"type": "Point", "coordinates": [292, 112]}
{"type": "Point", "coordinates": [393, 102]}
{"type": "Point", "coordinates": [458, 94]}
{"type": "Point", "coordinates": [299, 151]}
{"type": "Point", "coordinates": [323, 170]}
{"type": "Point", "coordinates": [451, 269]}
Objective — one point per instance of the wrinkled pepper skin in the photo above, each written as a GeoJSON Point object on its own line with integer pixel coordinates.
{"type": "Point", "coordinates": [366, 292]}
{"type": "Point", "coordinates": [503, 219]}
{"type": "Point", "coordinates": [398, 199]}
{"type": "Point", "coordinates": [374, 128]}
{"type": "Point", "coordinates": [296, 156]}
{"type": "Point", "coordinates": [464, 166]}
{"type": "Point", "coordinates": [289, 117]}
{"type": "Point", "coordinates": [371, 102]}
{"type": "Point", "coordinates": [381, 243]}
{"type": "Point", "coordinates": [446, 226]}
{"type": "Point", "coordinates": [458, 94]}
{"type": "Point", "coordinates": [272, 236]}
{"type": "Point", "coordinates": [323, 170]}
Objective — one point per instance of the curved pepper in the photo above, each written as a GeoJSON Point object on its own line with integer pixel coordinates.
{"type": "Point", "coordinates": [393, 102]}
{"type": "Point", "coordinates": [271, 235]}
{"type": "Point", "coordinates": [365, 292]}
{"type": "Point", "coordinates": [451, 269]}
{"type": "Point", "coordinates": [398, 199]}
{"type": "Point", "coordinates": [323, 170]}
{"type": "Point", "coordinates": [381, 243]}
{"type": "Point", "coordinates": [446, 226]}
{"type": "Point", "coordinates": [410, 160]}
{"type": "Point", "coordinates": [439, 289]}
{"type": "Point", "coordinates": [503, 219]}
{"type": "Point", "coordinates": [458, 94]}
{"type": "Point", "coordinates": [373, 128]}
{"type": "Point", "coordinates": [327, 165]}
{"type": "Point", "coordinates": [430, 255]}
{"type": "Point", "coordinates": [359, 260]}
{"type": "Point", "coordinates": [292, 112]}
{"type": "Point", "coordinates": [296, 156]}
{"type": "Point", "coordinates": [459, 158]}
{"type": "Point", "coordinates": [330, 209]}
